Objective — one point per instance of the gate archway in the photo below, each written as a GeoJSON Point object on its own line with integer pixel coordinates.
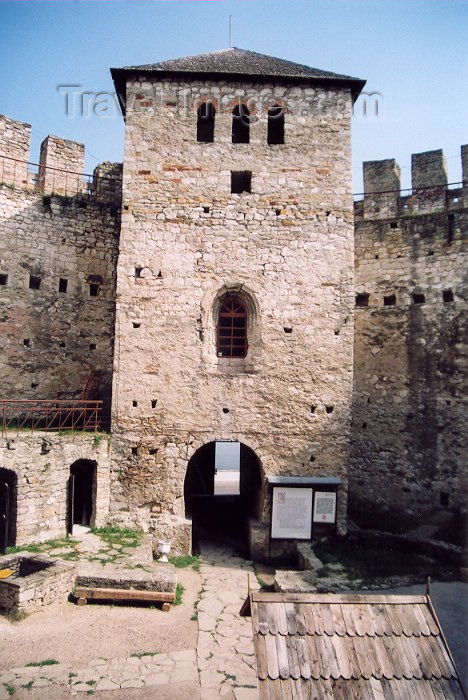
{"type": "Point", "coordinates": [218, 501]}
{"type": "Point", "coordinates": [8, 507]}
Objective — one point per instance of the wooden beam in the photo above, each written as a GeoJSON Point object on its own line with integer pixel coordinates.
{"type": "Point", "coordinates": [123, 594]}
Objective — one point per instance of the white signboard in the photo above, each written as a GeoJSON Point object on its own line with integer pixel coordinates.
{"type": "Point", "coordinates": [291, 516]}
{"type": "Point", "coordinates": [325, 507]}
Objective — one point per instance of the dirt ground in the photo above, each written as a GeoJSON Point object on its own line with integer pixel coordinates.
{"type": "Point", "coordinates": [75, 635]}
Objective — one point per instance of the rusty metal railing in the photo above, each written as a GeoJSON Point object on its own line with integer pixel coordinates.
{"type": "Point", "coordinates": [49, 416]}
{"type": "Point", "coordinates": [48, 180]}
{"type": "Point", "coordinates": [446, 191]}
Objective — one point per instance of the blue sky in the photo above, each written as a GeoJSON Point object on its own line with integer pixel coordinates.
{"type": "Point", "coordinates": [413, 52]}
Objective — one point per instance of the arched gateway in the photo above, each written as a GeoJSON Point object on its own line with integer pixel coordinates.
{"type": "Point", "coordinates": [222, 491]}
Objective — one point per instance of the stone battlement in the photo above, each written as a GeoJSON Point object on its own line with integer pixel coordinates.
{"type": "Point", "coordinates": [430, 192]}
{"type": "Point", "coordinates": [60, 168]}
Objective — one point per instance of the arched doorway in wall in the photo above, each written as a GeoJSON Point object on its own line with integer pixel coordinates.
{"type": "Point", "coordinates": [222, 492]}
{"type": "Point", "coordinates": [81, 494]}
{"type": "Point", "coordinates": [8, 507]}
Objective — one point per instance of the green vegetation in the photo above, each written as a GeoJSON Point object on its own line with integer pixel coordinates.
{"type": "Point", "coordinates": [17, 615]}
{"type": "Point", "coordinates": [28, 686]}
{"type": "Point", "coordinates": [9, 688]}
{"type": "Point", "coordinates": [178, 594]}
{"type": "Point", "coordinates": [43, 547]}
{"type": "Point", "coordinates": [140, 654]}
{"type": "Point", "coordinates": [118, 537]}
{"type": "Point", "coordinates": [184, 561]}
{"type": "Point", "coordinates": [46, 662]}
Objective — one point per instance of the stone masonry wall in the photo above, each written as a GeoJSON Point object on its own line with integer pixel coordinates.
{"type": "Point", "coordinates": [42, 464]}
{"type": "Point", "coordinates": [410, 345]}
{"type": "Point", "coordinates": [286, 247]}
{"type": "Point", "coordinates": [57, 289]}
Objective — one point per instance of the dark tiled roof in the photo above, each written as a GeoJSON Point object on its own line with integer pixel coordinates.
{"type": "Point", "coordinates": [350, 646]}
{"type": "Point", "coordinates": [230, 64]}
{"type": "Point", "coordinates": [239, 62]}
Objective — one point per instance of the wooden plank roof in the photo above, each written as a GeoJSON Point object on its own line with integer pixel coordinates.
{"type": "Point", "coordinates": [356, 647]}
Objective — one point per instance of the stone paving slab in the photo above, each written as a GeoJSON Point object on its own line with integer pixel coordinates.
{"type": "Point", "coordinates": [130, 672]}
{"type": "Point", "coordinates": [225, 650]}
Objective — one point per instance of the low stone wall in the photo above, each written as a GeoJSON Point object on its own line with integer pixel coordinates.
{"type": "Point", "coordinates": [37, 581]}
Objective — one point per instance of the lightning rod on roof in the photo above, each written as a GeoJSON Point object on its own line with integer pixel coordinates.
{"type": "Point", "coordinates": [230, 31]}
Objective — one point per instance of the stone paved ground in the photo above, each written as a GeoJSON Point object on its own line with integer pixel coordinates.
{"type": "Point", "coordinates": [225, 650]}
{"type": "Point", "coordinates": [222, 665]}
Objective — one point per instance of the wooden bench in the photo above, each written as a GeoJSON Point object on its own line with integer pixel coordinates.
{"type": "Point", "coordinates": [83, 594]}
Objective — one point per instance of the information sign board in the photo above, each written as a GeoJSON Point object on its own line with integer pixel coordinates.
{"type": "Point", "coordinates": [291, 516]}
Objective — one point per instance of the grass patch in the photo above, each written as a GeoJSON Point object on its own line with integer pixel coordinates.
{"type": "Point", "coordinates": [43, 547]}
{"type": "Point", "coordinates": [10, 690]}
{"type": "Point", "coordinates": [46, 662]}
{"type": "Point", "coordinates": [361, 562]}
{"type": "Point", "coordinates": [118, 537]}
{"type": "Point", "coordinates": [141, 654]}
{"type": "Point", "coordinates": [17, 615]}
{"type": "Point", "coordinates": [183, 562]}
{"type": "Point", "coordinates": [179, 593]}
{"type": "Point", "coordinates": [28, 686]}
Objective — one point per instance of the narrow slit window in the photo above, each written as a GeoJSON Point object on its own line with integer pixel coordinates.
{"type": "Point", "coordinates": [205, 123]}
{"type": "Point", "coordinates": [240, 124]}
{"type": "Point", "coordinates": [275, 133]}
{"type": "Point", "coordinates": [419, 298]}
{"type": "Point", "coordinates": [93, 289]}
{"type": "Point", "coordinates": [232, 329]}
{"type": "Point", "coordinates": [63, 284]}
{"type": "Point", "coordinates": [389, 300]}
{"type": "Point", "coordinates": [3, 280]}
{"type": "Point", "coordinates": [241, 181]}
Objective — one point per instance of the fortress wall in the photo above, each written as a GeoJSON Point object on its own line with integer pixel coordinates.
{"type": "Point", "coordinates": [410, 346]}
{"type": "Point", "coordinates": [57, 288]}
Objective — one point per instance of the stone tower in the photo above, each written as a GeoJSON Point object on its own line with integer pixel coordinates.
{"type": "Point", "coordinates": [234, 288]}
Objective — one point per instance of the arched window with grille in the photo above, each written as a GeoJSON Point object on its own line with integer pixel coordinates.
{"type": "Point", "coordinates": [275, 125]}
{"type": "Point", "coordinates": [232, 328]}
{"type": "Point", "coordinates": [206, 122]}
{"type": "Point", "coordinates": [240, 124]}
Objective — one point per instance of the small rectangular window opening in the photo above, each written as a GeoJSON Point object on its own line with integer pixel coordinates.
{"type": "Point", "coordinates": [63, 284]}
{"type": "Point", "coordinates": [92, 346]}
{"type": "Point", "coordinates": [138, 271]}
{"type": "Point", "coordinates": [134, 450]}
{"type": "Point", "coordinates": [3, 280]}
{"type": "Point", "coordinates": [362, 299]}
{"type": "Point", "coordinates": [241, 181]}
{"type": "Point", "coordinates": [134, 404]}
{"type": "Point", "coordinates": [447, 296]}
{"type": "Point", "coordinates": [444, 499]}
{"type": "Point", "coordinates": [419, 298]}
{"type": "Point", "coordinates": [34, 282]}
{"type": "Point", "coordinates": [26, 342]}
{"type": "Point", "coordinates": [153, 451]}
{"type": "Point", "coordinates": [135, 324]}
{"type": "Point", "coordinates": [153, 403]}
{"type": "Point", "coordinates": [93, 289]}
{"type": "Point", "coordinates": [389, 300]}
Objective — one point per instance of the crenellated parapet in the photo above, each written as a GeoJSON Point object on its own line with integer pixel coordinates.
{"type": "Point", "coordinates": [430, 192]}
{"type": "Point", "coordinates": [60, 168]}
